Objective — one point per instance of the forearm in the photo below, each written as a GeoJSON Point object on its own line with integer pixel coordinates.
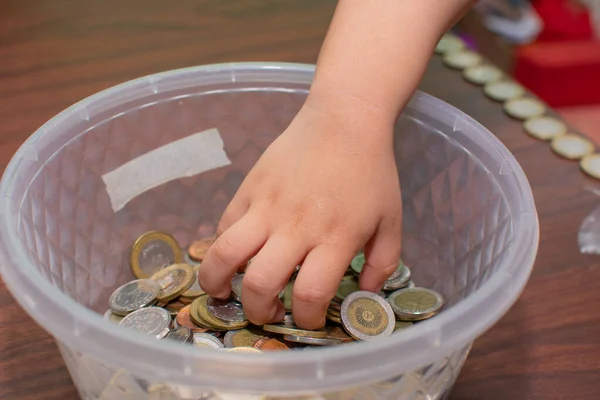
{"type": "Point", "coordinates": [375, 53]}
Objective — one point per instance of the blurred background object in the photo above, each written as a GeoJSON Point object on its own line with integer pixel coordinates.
{"type": "Point", "coordinates": [552, 47]}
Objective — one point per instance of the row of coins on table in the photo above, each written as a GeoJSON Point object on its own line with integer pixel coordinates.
{"type": "Point", "coordinates": [170, 304]}
{"type": "Point", "coordinates": [536, 121]}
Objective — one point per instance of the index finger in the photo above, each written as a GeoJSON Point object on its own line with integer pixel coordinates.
{"type": "Point", "coordinates": [233, 248]}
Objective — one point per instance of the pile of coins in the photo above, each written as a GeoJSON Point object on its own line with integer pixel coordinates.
{"type": "Point", "coordinates": [167, 302]}
{"type": "Point", "coordinates": [518, 104]}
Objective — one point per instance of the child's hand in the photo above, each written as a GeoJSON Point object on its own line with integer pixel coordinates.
{"type": "Point", "coordinates": [320, 192]}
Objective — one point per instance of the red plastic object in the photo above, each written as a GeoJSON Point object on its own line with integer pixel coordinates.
{"type": "Point", "coordinates": [561, 73]}
{"type": "Point", "coordinates": [563, 20]}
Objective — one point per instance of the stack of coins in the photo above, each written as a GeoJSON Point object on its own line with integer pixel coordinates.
{"type": "Point", "coordinates": [166, 302]}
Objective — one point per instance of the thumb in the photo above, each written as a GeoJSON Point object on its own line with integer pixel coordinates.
{"type": "Point", "coordinates": [382, 255]}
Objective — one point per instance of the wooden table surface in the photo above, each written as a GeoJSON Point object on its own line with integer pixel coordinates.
{"type": "Point", "coordinates": [56, 52]}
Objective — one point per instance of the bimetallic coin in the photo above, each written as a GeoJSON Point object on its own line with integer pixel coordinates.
{"type": "Point", "coordinates": [461, 59]}
{"type": "Point", "coordinates": [357, 263]}
{"type": "Point", "coordinates": [199, 306]}
{"type": "Point", "coordinates": [346, 287]}
{"type": "Point", "coordinates": [199, 248]}
{"type": "Point", "coordinates": [226, 310]}
{"type": "Point", "coordinates": [524, 108]}
{"type": "Point", "coordinates": [173, 281]}
{"type": "Point", "coordinates": [236, 287]}
{"type": "Point", "coordinates": [151, 252]}
{"type": "Point", "coordinates": [183, 318]}
{"type": "Point", "coordinates": [367, 316]}
{"type": "Point", "coordinates": [206, 340]}
{"type": "Point", "coordinates": [240, 338]}
{"type": "Point", "coordinates": [292, 329]}
{"type": "Point", "coordinates": [449, 43]}
{"type": "Point", "coordinates": [181, 334]}
{"type": "Point", "coordinates": [503, 90]}
{"type": "Point", "coordinates": [415, 304]}
{"type": "Point", "coordinates": [312, 341]}
{"type": "Point", "coordinates": [571, 146]}
{"type": "Point", "coordinates": [400, 281]}
{"type": "Point", "coordinates": [545, 128]}
{"type": "Point", "coordinates": [590, 164]}
{"type": "Point", "coordinates": [133, 296]}
{"type": "Point", "coordinates": [482, 74]}
{"type": "Point", "coordinates": [243, 350]}
{"type": "Point", "coordinates": [195, 290]}
{"type": "Point", "coordinates": [112, 317]}
{"type": "Point", "coordinates": [153, 321]}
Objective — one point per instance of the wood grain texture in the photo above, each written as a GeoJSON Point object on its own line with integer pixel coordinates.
{"type": "Point", "coordinates": [56, 52]}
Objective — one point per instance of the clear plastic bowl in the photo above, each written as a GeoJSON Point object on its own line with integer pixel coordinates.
{"type": "Point", "coordinates": [470, 232]}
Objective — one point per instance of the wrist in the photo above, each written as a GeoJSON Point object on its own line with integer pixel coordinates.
{"type": "Point", "coordinates": [349, 111]}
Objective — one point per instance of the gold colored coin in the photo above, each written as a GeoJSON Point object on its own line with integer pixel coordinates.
{"type": "Point", "coordinates": [241, 338]}
{"type": "Point", "coordinates": [415, 304]}
{"type": "Point", "coordinates": [291, 329]}
{"type": "Point", "coordinates": [195, 290]}
{"type": "Point", "coordinates": [335, 313]}
{"type": "Point", "coordinates": [334, 318]}
{"type": "Point", "coordinates": [173, 280]}
{"type": "Point", "coordinates": [204, 315]}
{"type": "Point", "coordinates": [153, 251]}
{"type": "Point", "coordinates": [367, 316]}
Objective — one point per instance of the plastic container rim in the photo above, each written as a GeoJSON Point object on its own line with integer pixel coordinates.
{"type": "Point", "coordinates": [68, 314]}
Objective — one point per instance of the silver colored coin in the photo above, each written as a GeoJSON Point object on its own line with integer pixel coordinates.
{"type": "Point", "coordinates": [312, 341]}
{"type": "Point", "coordinates": [133, 296]}
{"type": "Point", "coordinates": [288, 319]}
{"type": "Point", "coordinates": [226, 310]}
{"type": "Point", "coordinates": [207, 340]}
{"type": "Point", "coordinates": [367, 316]}
{"type": "Point", "coordinates": [415, 304]}
{"type": "Point", "coordinates": [153, 321]}
{"type": "Point", "coordinates": [188, 260]}
{"type": "Point", "coordinates": [181, 334]}
{"type": "Point", "coordinates": [398, 282]}
{"type": "Point", "coordinates": [236, 287]}
{"type": "Point", "coordinates": [228, 339]}
{"type": "Point", "coordinates": [398, 271]}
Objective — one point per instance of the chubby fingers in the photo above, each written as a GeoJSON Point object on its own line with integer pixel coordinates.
{"type": "Point", "coordinates": [267, 275]}
{"type": "Point", "coordinates": [317, 283]}
{"type": "Point", "coordinates": [232, 249]}
{"type": "Point", "coordinates": [382, 254]}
